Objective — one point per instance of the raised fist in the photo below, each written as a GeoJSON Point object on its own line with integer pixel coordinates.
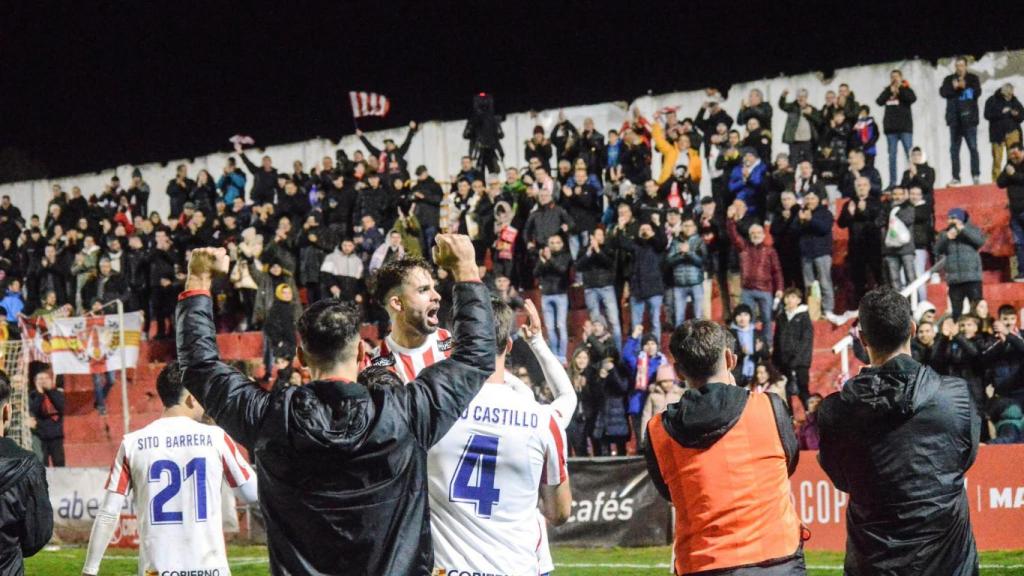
{"type": "Point", "coordinates": [454, 252]}
{"type": "Point", "coordinates": [209, 262]}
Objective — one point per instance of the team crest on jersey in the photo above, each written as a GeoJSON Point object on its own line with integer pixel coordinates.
{"type": "Point", "coordinates": [445, 345]}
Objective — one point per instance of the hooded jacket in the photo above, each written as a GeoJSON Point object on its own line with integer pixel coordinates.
{"type": "Point", "coordinates": [794, 339]}
{"type": "Point", "coordinates": [732, 499]}
{"type": "Point", "coordinates": [898, 117]}
{"type": "Point", "coordinates": [342, 466]}
{"type": "Point", "coordinates": [899, 439]}
{"type": "Point", "coordinates": [26, 518]}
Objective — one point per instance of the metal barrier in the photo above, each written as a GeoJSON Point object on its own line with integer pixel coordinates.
{"type": "Point", "coordinates": [910, 291]}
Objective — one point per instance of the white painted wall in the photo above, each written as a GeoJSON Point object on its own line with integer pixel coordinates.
{"type": "Point", "coordinates": [439, 145]}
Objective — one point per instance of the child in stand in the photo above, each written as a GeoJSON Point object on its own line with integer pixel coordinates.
{"type": "Point", "coordinates": [505, 240]}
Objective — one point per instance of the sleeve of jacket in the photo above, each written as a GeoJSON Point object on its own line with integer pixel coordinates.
{"type": "Point", "coordinates": [946, 90]}
{"type": "Point", "coordinates": [992, 111]}
{"type": "Point", "coordinates": [784, 425]}
{"type": "Point", "coordinates": [37, 525]}
{"type": "Point", "coordinates": [663, 145]}
{"type": "Point", "coordinates": [442, 391]}
{"type": "Point", "coordinates": [778, 283]}
{"type": "Point", "coordinates": [629, 352]}
{"type": "Point", "coordinates": [236, 403]}
{"type": "Point", "coordinates": [973, 236]}
{"type": "Point", "coordinates": [907, 95]}
{"type": "Point", "coordinates": [737, 241]}
{"type": "Point", "coordinates": [373, 150]}
{"type": "Point", "coordinates": [831, 449]}
{"type": "Point", "coordinates": [404, 148]}
{"type": "Point", "coordinates": [56, 397]}
{"type": "Point", "coordinates": [248, 164]}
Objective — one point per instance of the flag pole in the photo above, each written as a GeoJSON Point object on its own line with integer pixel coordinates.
{"type": "Point", "coordinates": [124, 366]}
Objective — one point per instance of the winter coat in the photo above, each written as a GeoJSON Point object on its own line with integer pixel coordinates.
{"type": "Point", "coordinates": [265, 293]}
{"type": "Point", "coordinates": [264, 182]}
{"type": "Point", "coordinates": [670, 154]}
{"type": "Point", "coordinates": [604, 403]}
{"type": "Point", "coordinates": [924, 179]}
{"type": "Point", "coordinates": [1005, 361]}
{"type": "Point", "coordinates": [646, 278]}
{"type": "Point", "coordinates": [1014, 185]}
{"type": "Point", "coordinates": [631, 352]}
{"type": "Point", "coordinates": [26, 518]}
{"type": "Point", "coordinates": [762, 111]}
{"type": "Point", "coordinates": [961, 103]}
{"type": "Point", "coordinates": [963, 257]}
{"type": "Point", "coordinates": [794, 339]}
{"type": "Point", "coordinates": [636, 163]}
{"type": "Point", "coordinates": [760, 268]}
{"type": "Point", "coordinates": [428, 209]}
{"type": "Point", "coordinates": [553, 275]}
{"type": "Point", "coordinates": [1000, 123]}
{"type": "Point", "coordinates": [809, 436]}
{"type": "Point", "coordinates": [816, 234]}
{"type": "Point", "coordinates": [898, 117]}
{"type": "Point", "coordinates": [924, 227]}
{"type": "Point", "coordinates": [48, 410]}
{"type": "Point", "coordinates": [312, 254]}
{"type": "Point", "coordinates": [232, 186]}
{"type": "Point", "coordinates": [863, 224]}
{"type": "Point", "coordinates": [687, 268]}
{"type": "Point", "coordinates": [546, 221]}
{"type": "Point", "coordinates": [114, 289]}
{"type": "Point", "coordinates": [865, 135]}
{"type": "Point", "coordinates": [597, 268]}
{"type": "Point", "coordinates": [750, 190]}
{"type": "Point", "coordinates": [583, 206]}
{"type": "Point", "coordinates": [793, 113]}
{"type": "Point", "coordinates": [358, 450]}
{"type": "Point", "coordinates": [899, 439]}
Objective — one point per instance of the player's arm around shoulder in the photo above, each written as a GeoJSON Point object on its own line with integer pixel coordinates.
{"type": "Point", "coordinates": [234, 401]}
{"type": "Point", "coordinates": [441, 391]}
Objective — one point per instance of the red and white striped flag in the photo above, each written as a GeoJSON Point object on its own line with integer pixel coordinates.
{"type": "Point", "coordinates": [369, 104]}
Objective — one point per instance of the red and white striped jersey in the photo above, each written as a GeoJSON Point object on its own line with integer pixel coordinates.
{"type": "Point", "coordinates": [174, 468]}
{"type": "Point", "coordinates": [407, 362]}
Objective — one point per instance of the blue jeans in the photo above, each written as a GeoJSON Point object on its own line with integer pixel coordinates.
{"type": "Point", "coordinates": [578, 241]}
{"type": "Point", "coordinates": [100, 390]}
{"type": "Point", "coordinates": [637, 306]}
{"type": "Point", "coordinates": [556, 315]}
{"type": "Point", "coordinates": [969, 133]}
{"type": "Point", "coordinates": [894, 140]}
{"type": "Point", "coordinates": [820, 269]}
{"type": "Point", "coordinates": [603, 299]}
{"type": "Point", "coordinates": [427, 241]}
{"type": "Point", "coordinates": [679, 294]}
{"type": "Point", "coordinates": [761, 304]}
{"type": "Point", "coordinates": [1017, 226]}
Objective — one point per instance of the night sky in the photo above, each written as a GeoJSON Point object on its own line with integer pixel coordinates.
{"type": "Point", "coordinates": [88, 85]}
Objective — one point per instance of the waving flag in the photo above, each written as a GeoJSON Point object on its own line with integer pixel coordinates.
{"type": "Point", "coordinates": [369, 104]}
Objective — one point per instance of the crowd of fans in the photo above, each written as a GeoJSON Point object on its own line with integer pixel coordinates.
{"type": "Point", "coordinates": [590, 210]}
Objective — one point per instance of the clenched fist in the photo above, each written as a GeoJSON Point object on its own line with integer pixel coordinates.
{"type": "Point", "coordinates": [454, 252]}
{"type": "Point", "coordinates": [203, 265]}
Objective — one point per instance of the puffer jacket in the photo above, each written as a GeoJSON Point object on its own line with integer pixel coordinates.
{"type": "Point", "coordinates": [963, 259]}
{"type": "Point", "coordinates": [760, 268]}
{"type": "Point", "coordinates": [899, 439]}
{"type": "Point", "coordinates": [645, 280]}
{"type": "Point", "coordinates": [597, 268]}
{"type": "Point", "coordinates": [26, 518]}
{"type": "Point", "coordinates": [342, 466]}
{"type": "Point", "coordinates": [553, 275]}
{"type": "Point", "coordinates": [687, 267]}
{"type": "Point", "coordinates": [816, 234]}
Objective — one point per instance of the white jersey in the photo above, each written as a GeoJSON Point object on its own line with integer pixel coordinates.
{"type": "Point", "coordinates": [483, 479]}
{"type": "Point", "coordinates": [408, 362]}
{"type": "Point", "coordinates": [174, 468]}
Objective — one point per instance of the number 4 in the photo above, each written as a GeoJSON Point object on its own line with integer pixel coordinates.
{"type": "Point", "coordinates": [481, 452]}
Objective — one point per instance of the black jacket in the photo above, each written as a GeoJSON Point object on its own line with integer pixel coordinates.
{"type": "Point", "coordinates": [264, 182]}
{"type": "Point", "coordinates": [1014, 185]}
{"type": "Point", "coordinates": [49, 414]}
{"type": "Point", "coordinates": [1001, 123]}
{"type": "Point", "coordinates": [553, 275]}
{"type": "Point", "coordinates": [794, 340]}
{"type": "Point", "coordinates": [961, 103]}
{"type": "Point", "coordinates": [342, 466]}
{"type": "Point", "coordinates": [26, 518]}
{"type": "Point", "coordinates": [924, 179]}
{"type": "Point", "coordinates": [899, 439]}
{"type": "Point", "coordinates": [646, 279]}
{"type": "Point", "coordinates": [597, 268]}
{"type": "Point", "coordinates": [428, 209]}
{"type": "Point", "coordinates": [898, 117]}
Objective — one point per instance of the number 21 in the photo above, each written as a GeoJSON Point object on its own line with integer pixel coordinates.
{"type": "Point", "coordinates": [195, 469]}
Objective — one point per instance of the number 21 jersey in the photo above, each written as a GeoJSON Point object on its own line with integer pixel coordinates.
{"type": "Point", "coordinates": [174, 468]}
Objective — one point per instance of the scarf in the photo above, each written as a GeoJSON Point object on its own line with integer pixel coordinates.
{"type": "Point", "coordinates": [642, 362]}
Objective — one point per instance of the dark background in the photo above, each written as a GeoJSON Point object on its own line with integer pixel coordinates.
{"type": "Point", "coordinates": [89, 85]}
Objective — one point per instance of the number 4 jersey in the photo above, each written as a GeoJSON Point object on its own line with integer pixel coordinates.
{"type": "Point", "coordinates": [174, 468]}
{"type": "Point", "coordinates": [484, 479]}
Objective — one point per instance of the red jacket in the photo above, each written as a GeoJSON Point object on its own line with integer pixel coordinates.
{"type": "Point", "coordinates": [759, 265]}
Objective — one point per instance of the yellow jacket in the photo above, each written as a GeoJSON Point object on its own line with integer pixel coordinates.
{"type": "Point", "coordinates": [669, 155]}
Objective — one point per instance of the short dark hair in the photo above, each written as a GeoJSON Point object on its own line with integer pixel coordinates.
{"type": "Point", "coordinates": [793, 292]}
{"type": "Point", "coordinates": [1006, 309]}
{"type": "Point", "coordinates": [885, 319]}
{"type": "Point", "coordinates": [169, 386]}
{"type": "Point", "coordinates": [504, 322]}
{"type": "Point", "coordinates": [697, 348]}
{"type": "Point", "coordinates": [393, 273]}
{"type": "Point", "coordinates": [327, 329]}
